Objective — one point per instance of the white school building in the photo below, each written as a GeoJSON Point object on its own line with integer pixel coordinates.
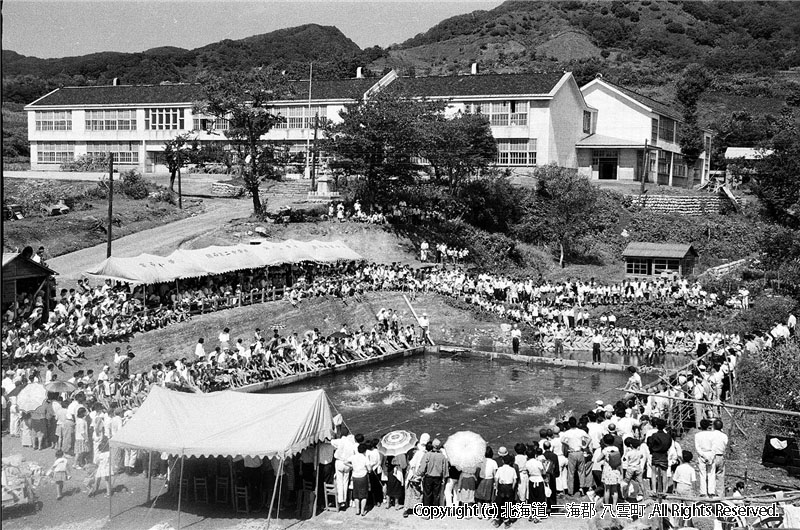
{"type": "Point", "coordinates": [536, 118]}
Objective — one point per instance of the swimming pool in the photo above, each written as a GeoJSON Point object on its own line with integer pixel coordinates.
{"type": "Point", "coordinates": [504, 401]}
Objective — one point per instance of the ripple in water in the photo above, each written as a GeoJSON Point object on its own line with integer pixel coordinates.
{"type": "Point", "coordinates": [395, 397]}
{"type": "Point", "coordinates": [545, 405]}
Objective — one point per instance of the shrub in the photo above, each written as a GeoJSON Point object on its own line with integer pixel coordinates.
{"type": "Point", "coordinates": [771, 378]}
{"type": "Point", "coordinates": [675, 27]}
{"type": "Point", "coordinates": [86, 163]}
{"type": "Point", "coordinates": [134, 185]}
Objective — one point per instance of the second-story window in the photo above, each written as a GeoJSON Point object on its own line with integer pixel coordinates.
{"type": "Point", "coordinates": [666, 129]}
{"type": "Point", "coordinates": [163, 119]}
{"type": "Point", "coordinates": [502, 113]}
{"type": "Point", "coordinates": [53, 120]}
{"type": "Point", "coordinates": [654, 131]}
{"type": "Point", "coordinates": [587, 122]}
{"type": "Point", "coordinates": [110, 120]}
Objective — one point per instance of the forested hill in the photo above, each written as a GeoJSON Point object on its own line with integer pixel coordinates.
{"type": "Point", "coordinates": [291, 49]}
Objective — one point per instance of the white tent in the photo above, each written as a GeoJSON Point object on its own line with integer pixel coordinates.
{"type": "Point", "coordinates": [150, 269]}
{"type": "Point", "coordinates": [231, 424]}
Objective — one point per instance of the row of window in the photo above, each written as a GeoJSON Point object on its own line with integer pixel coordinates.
{"type": "Point", "coordinates": [502, 113]}
{"type": "Point", "coordinates": [516, 152]}
{"type": "Point", "coordinates": [301, 117]}
{"type": "Point", "coordinates": [58, 152]}
{"type": "Point", "coordinates": [641, 267]}
{"type": "Point", "coordinates": [110, 120]}
{"type": "Point", "coordinates": [54, 120]}
{"type": "Point", "coordinates": [666, 129]}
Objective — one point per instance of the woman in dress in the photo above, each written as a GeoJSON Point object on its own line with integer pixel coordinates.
{"type": "Point", "coordinates": [413, 492]}
{"type": "Point", "coordinates": [102, 459]}
{"type": "Point", "coordinates": [485, 490]}
{"type": "Point", "coordinates": [395, 480]}
{"type": "Point", "coordinates": [361, 468]}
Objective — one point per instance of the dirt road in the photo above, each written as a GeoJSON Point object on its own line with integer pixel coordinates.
{"type": "Point", "coordinates": [161, 240]}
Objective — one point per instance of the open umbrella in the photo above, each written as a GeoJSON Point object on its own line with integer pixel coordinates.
{"type": "Point", "coordinates": [397, 443]}
{"type": "Point", "coordinates": [30, 397]}
{"type": "Point", "coordinates": [60, 386]}
{"type": "Point", "coordinates": [466, 450]}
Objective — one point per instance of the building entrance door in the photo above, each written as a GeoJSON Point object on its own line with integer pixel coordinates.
{"type": "Point", "coordinates": [608, 169]}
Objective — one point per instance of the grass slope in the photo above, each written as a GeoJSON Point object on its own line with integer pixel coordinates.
{"type": "Point", "coordinates": [328, 314]}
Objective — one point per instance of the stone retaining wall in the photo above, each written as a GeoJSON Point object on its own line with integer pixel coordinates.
{"type": "Point", "coordinates": [682, 204]}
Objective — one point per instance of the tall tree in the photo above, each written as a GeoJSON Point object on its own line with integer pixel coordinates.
{"type": "Point", "coordinates": [458, 147]}
{"type": "Point", "coordinates": [380, 136]}
{"type": "Point", "coordinates": [246, 100]}
{"type": "Point", "coordinates": [563, 211]}
{"type": "Point", "coordinates": [177, 154]}
{"type": "Point", "coordinates": [693, 82]}
{"type": "Point", "coordinates": [776, 180]}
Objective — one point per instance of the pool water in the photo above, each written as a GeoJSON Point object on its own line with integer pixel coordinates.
{"type": "Point", "coordinates": [504, 401]}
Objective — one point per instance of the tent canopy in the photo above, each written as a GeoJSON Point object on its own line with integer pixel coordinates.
{"type": "Point", "coordinates": [148, 269]}
{"type": "Point", "coordinates": [228, 423]}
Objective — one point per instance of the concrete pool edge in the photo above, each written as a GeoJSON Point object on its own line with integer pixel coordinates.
{"type": "Point", "coordinates": [275, 383]}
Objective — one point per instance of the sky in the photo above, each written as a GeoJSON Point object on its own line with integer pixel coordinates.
{"type": "Point", "coordinates": [75, 27]}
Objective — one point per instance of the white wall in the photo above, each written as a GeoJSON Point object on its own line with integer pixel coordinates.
{"type": "Point", "coordinates": [617, 116]}
{"type": "Point", "coordinates": [565, 124]}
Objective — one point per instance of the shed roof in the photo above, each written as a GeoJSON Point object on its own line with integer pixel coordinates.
{"type": "Point", "coordinates": [541, 83]}
{"type": "Point", "coordinates": [748, 153]}
{"type": "Point", "coordinates": [603, 141]}
{"type": "Point", "coordinates": [659, 250]}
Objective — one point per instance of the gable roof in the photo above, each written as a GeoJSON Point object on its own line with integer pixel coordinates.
{"type": "Point", "coordinates": [658, 250]}
{"type": "Point", "coordinates": [653, 105]}
{"type": "Point", "coordinates": [539, 84]}
{"type": "Point", "coordinates": [323, 89]}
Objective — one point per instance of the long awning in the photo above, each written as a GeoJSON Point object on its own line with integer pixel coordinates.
{"type": "Point", "coordinates": [149, 269]}
{"type": "Point", "coordinates": [228, 423]}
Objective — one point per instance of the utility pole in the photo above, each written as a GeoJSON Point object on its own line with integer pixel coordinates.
{"type": "Point", "coordinates": [110, 201]}
{"type": "Point", "coordinates": [180, 194]}
{"type": "Point", "coordinates": [314, 155]}
{"type": "Point", "coordinates": [305, 123]}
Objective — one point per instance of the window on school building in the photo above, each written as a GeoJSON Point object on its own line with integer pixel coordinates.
{"type": "Point", "coordinates": [110, 120]}
{"type": "Point", "coordinates": [663, 164]}
{"type": "Point", "coordinates": [53, 120]}
{"type": "Point", "coordinates": [163, 119]}
{"type": "Point", "coordinates": [124, 152]}
{"type": "Point", "coordinates": [55, 153]}
{"type": "Point", "coordinates": [208, 123]}
{"type": "Point", "coordinates": [587, 122]}
{"type": "Point", "coordinates": [666, 265]}
{"type": "Point", "coordinates": [300, 117]}
{"type": "Point", "coordinates": [666, 129]}
{"type": "Point", "coordinates": [678, 166]}
{"type": "Point", "coordinates": [636, 266]}
{"type": "Point", "coordinates": [654, 131]}
{"type": "Point", "coordinates": [503, 113]}
{"type": "Point", "coordinates": [518, 152]}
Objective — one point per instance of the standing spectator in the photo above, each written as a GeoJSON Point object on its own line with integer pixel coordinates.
{"type": "Point", "coordinates": [576, 443]}
{"type": "Point", "coordinates": [505, 481]}
{"type": "Point", "coordinates": [516, 335]}
{"type": "Point", "coordinates": [684, 476]}
{"type": "Point", "coordinates": [200, 351]}
{"type": "Point", "coordinates": [432, 469]}
{"type": "Point", "coordinates": [423, 251]}
{"type": "Point", "coordinates": [359, 463]}
{"type": "Point", "coordinates": [659, 443]}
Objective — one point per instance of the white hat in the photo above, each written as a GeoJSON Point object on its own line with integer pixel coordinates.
{"type": "Point", "coordinates": [425, 438]}
{"type": "Point", "coordinates": [599, 402]}
{"type": "Point", "coordinates": [609, 408]}
{"type": "Point", "coordinates": [780, 445]}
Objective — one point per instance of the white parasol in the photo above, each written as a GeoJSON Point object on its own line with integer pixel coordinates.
{"type": "Point", "coordinates": [466, 451]}
{"type": "Point", "coordinates": [397, 443]}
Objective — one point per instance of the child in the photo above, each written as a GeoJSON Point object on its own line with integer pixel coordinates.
{"type": "Point", "coordinates": [81, 439]}
{"type": "Point", "coordinates": [632, 464]}
{"type": "Point", "coordinates": [738, 490]}
{"type": "Point", "coordinates": [684, 476]}
{"type": "Point", "coordinates": [103, 472]}
{"type": "Point", "coordinates": [612, 471]}
{"type": "Point", "coordinates": [59, 472]}
{"type": "Point", "coordinates": [466, 487]}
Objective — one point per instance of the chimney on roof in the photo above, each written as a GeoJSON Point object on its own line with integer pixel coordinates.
{"type": "Point", "coordinates": [359, 73]}
{"type": "Point", "coordinates": [474, 70]}
{"type": "Point", "coordinates": [115, 81]}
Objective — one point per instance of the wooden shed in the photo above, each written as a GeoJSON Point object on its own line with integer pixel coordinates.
{"type": "Point", "coordinates": [23, 275]}
{"type": "Point", "coordinates": [654, 259]}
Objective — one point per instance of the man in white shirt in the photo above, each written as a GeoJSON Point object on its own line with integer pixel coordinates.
{"type": "Point", "coordinates": [424, 323]}
{"type": "Point", "coordinates": [704, 447]}
{"type": "Point", "coordinates": [719, 444]}
{"type": "Point", "coordinates": [516, 335]}
{"type": "Point", "coordinates": [576, 443]}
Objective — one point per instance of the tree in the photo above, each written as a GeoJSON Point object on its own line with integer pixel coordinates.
{"type": "Point", "coordinates": [246, 101]}
{"type": "Point", "coordinates": [458, 147]}
{"type": "Point", "coordinates": [693, 82]}
{"type": "Point", "coordinates": [177, 155]}
{"type": "Point", "coordinates": [380, 135]}
{"type": "Point", "coordinates": [563, 209]}
{"type": "Point", "coordinates": [776, 183]}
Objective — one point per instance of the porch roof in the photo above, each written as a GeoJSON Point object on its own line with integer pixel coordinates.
{"type": "Point", "coordinates": [601, 141]}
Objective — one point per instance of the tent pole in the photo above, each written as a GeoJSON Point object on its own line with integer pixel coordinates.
{"type": "Point", "coordinates": [274, 491]}
{"type": "Point", "coordinates": [180, 480]}
{"type": "Point", "coordinates": [110, 485]}
{"type": "Point", "coordinates": [149, 474]}
{"type": "Point", "coordinates": [316, 481]}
